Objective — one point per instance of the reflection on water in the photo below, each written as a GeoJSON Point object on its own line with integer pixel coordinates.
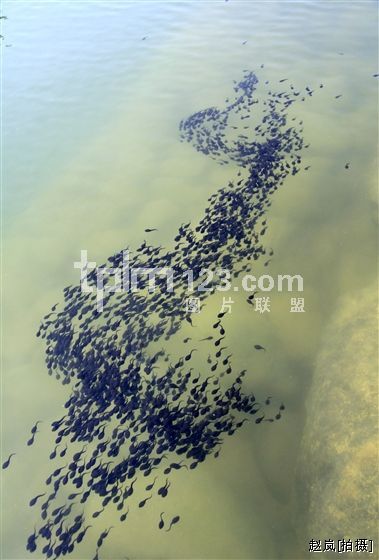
{"type": "Point", "coordinates": [92, 157]}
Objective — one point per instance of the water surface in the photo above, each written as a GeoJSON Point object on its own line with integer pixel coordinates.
{"type": "Point", "coordinates": [91, 157]}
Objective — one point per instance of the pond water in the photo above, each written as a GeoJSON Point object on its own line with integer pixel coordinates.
{"type": "Point", "coordinates": [93, 93]}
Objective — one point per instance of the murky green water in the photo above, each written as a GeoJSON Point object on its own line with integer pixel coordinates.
{"type": "Point", "coordinates": [91, 157]}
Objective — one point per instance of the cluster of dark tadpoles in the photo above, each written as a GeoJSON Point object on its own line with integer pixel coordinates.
{"type": "Point", "coordinates": [134, 413]}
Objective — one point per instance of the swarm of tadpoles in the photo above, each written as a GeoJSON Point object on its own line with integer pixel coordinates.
{"type": "Point", "coordinates": [133, 414]}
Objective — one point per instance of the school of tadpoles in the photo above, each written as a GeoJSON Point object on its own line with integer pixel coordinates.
{"type": "Point", "coordinates": [134, 415]}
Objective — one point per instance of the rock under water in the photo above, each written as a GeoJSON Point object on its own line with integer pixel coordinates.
{"type": "Point", "coordinates": [337, 476]}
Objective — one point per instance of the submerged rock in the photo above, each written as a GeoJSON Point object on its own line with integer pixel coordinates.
{"type": "Point", "coordinates": [337, 477]}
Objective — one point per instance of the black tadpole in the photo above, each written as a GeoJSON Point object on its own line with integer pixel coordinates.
{"type": "Point", "coordinates": [174, 520]}
{"type": "Point", "coordinates": [31, 440]}
{"type": "Point", "coordinates": [8, 461]}
{"type": "Point", "coordinates": [33, 501]}
{"type": "Point", "coordinates": [34, 428]}
{"type": "Point", "coordinates": [150, 486]}
{"type": "Point", "coordinates": [142, 503]}
{"type": "Point", "coordinates": [124, 515]}
{"type": "Point", "coordinates": [103, 536]}
{"type": "Point", "coordinates": [97, 513]}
